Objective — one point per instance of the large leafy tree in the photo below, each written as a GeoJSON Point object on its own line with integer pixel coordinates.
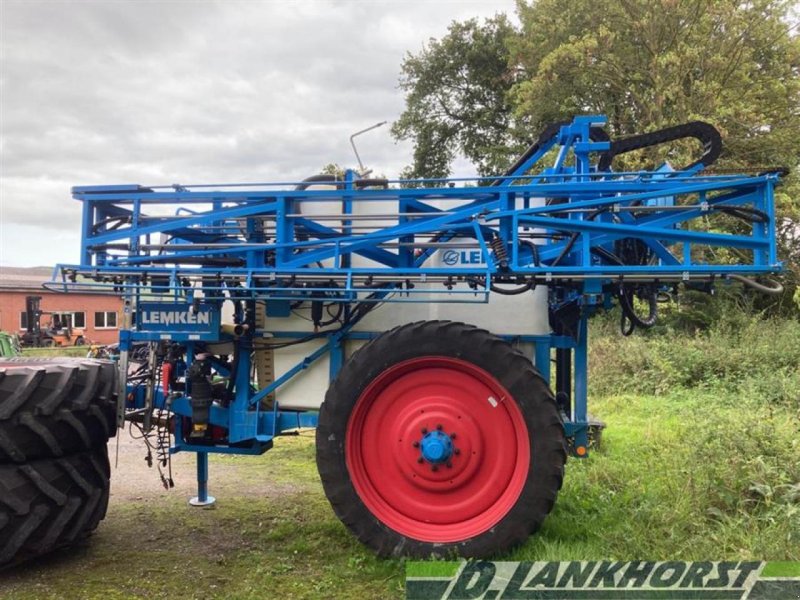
{"type": "Point", "coordinates": [484, 89]}
{"type": "Point", "coordinates": [456, 99]}
{"type": "Point", "coordinates": [653, 63]}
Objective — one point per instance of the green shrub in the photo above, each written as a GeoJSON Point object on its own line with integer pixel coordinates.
{"type": "Point", "coordinates": [748, 359]}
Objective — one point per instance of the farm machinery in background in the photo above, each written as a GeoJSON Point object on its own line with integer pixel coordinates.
{"type": "Point", "coordinates": [444, 322]}
{"type": "Point", "coordinates": [57, 332]}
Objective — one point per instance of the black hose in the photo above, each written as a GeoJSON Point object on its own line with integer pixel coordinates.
{"type": "Point", "coordinates": [626, 326]}
{"type": "Point", "coordinates": [321, 178]}
{"type": "Point", "coordinates": [609, 256]}
{"type": "Point", "coordinates": [534, 250]}
{"type": "Point", "coordinates": [334, 318]}
{"type": "Point", "coordinates": [626, 304]}
{"type": "Point", "coordinates": [705, 133]}
{"type": "Point", "coordinates": [567, 248]}
{"type": "Point", "coordinates": [574, 237]}
{"type": "Point", "coordinates": [513, 292]}
{"type": "Point", "coordinates": [503, 291]}
{"type": "Point", "coordinates": [745, 213]}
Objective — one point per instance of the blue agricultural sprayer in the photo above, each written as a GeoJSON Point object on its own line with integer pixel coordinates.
{"type": "Point", "coordinates": [245, 302]}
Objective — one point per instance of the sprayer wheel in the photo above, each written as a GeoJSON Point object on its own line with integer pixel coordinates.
{"type": "Point", "coordinates": [439, 438]}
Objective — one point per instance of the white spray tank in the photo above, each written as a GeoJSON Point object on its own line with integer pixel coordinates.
{"type": "Point", "coordinates": [521, 314]}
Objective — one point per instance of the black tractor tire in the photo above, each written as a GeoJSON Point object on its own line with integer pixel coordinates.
{"type": "Point", "coordinates": [51, 408]}
{"type": "Point", "coordinates": [426, 343]}
{"type": "Point", "coordinates": [50, 503]}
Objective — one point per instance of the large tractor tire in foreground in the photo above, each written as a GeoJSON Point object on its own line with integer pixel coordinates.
{"type": "Point", "coordinates": [52, 502]}
{"type": "Point", "coordinates": [55, 407]}
{"type": "Point", "coordinates": [439, 438]}
{"type": "Point", "coordinates": [56, 416]}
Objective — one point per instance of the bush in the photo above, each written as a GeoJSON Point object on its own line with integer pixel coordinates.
{"type": "Point", "coordinates": [743, 359]}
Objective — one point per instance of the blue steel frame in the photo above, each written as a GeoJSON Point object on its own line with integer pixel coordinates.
{"type": "Point", "coordinates": [161, 243]}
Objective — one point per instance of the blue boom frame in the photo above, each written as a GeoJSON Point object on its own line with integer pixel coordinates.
{"type": "Point", "coordinates": [177, 253]}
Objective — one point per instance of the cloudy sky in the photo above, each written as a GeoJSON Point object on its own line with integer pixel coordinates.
{"type": "Point", "coordinates": [151, 92]}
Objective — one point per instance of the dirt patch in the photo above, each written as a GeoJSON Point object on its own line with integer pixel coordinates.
{"type": "Point", "coordinates": [132, 480]}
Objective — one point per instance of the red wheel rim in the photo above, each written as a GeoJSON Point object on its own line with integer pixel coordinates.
{"type": "Point", "coordinates": [488, 466]}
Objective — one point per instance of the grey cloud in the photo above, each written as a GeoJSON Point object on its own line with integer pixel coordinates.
{"type": "Point", "coordinates": [163, 92]}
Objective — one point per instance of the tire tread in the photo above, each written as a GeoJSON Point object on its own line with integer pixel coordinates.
{"type": "Point", "coordinates": [518, 376]}
{"type": "Point", "coordinates": [49, 503]}
{"type": "Point", "coordinates": [54, 407]}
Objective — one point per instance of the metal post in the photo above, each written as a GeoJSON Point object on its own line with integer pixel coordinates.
{"type": "Point", "coordinates": [202, 498]}
{"type": "Point", "coordinates": [542, 358]}
{"type": "Point", "coordinates": [239, 427]}
{"type": "Point", "coordinates": [564, 379]}
{"type": "Point", "coordinates": [580, 391]}
{"type": "Point", "coordinates": [347, 209]}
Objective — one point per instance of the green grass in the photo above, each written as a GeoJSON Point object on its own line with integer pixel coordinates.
{"type": "Point", "coordinates": [439, 568]}
{"type": "Point", "coordinates": [680, 477]}
{"type": "Point", "coordinates": [706, 468]}
{"type": "Point", "coordinates": [75, 351]}
{"type": "Point", "coordinates": [781, 569]}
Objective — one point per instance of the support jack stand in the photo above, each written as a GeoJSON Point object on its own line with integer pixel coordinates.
{"type": "Point", "coordinates": [202, 498]}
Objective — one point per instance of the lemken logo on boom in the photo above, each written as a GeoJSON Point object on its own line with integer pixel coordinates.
{"type": "Point", "coordinates": [168, 318]}
{"type": "Point", "coordinates": [464, 257]}
{"type": "Point", "coordinates": [174, 317]}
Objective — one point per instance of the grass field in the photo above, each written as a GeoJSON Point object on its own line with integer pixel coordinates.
{"type": "Point", "coordinates": [707, 469]}
{"type": "Point", "coordinates": [72, 351]}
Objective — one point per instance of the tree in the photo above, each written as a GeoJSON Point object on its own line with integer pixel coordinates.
{"type": "Point", "coordinates": [648, 64]}
{"type": "Point", "coordinates": [456, 99]}
{"type": "Point", "coordinates": [486, 89]}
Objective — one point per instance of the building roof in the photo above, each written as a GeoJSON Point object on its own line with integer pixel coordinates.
{"type": "Point", "coordinates": [26, 278]}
